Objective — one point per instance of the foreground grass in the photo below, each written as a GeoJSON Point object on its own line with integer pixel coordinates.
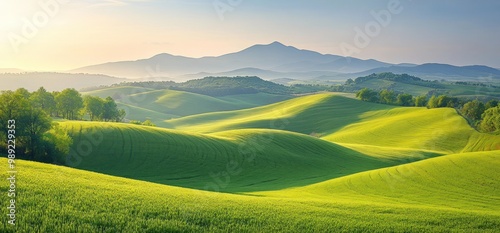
{"type": "Point", "coordinates": [468, 181]}
{"type": "Point", "coordinates": [59, 199]}
{"type": "Point", "coordinates": [358, 176]}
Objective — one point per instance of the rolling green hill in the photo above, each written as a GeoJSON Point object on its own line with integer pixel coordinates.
{"type": "Point", "coordinates": [317, 163]}
{"type": "Point", "coordinates": [468, 181]}
{"type": "Point", "coordinates": [450, 193]}
{"type": "Point", "coordinates": [241, 160]}
{"type": "Point", "coordinates": [421, 128]}
{"type": "Point", "coordinates": [158, 105]}
{"type": "Point", "coordinates": [380, 84]}
{"type": "Point", "coordinates": [120, 93]}
{"type": "Point", "coordinates": [313, 114]}
{"type": "Point", "coordinates": [354, 124]}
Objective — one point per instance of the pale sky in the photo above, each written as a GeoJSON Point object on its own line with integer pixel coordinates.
{"type": "Point", "coordinates": [68, 34]}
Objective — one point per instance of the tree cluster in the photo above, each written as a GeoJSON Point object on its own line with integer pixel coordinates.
{"type": "Point", "coordinates": [401, 78]}
{"type": "Point", "coordinates": [146, 123]}
{"type": "Point", "coordinates": [390, 97]}
{"type": "Point", "coordinates": [222, 86]}
{"type": "Point", "coordinates": [483, 116]}
{"type": "Point", "coordinates": [99, 109]}
{"type": "Point", "coordinates": [69, 104]}
{"type": "Point", "coordinates": [36, 136]}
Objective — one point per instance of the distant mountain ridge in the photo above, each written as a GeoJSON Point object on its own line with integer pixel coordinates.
{"type": "Point", "coordinates": [279, 61]}
{"type": "Point", "coordinates": [274, 57]}
{"type": "Point", "coordinates": [53, 81]}
{"type": "Point", "coordinates": [274, 61]}
{"type": "Point", "coordinates": [432, 71]}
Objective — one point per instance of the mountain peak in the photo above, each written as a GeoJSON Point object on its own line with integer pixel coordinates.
{"type": "Point", "coordinates": [276, 43]}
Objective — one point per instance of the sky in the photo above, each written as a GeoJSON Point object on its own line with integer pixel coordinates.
{"type": "Point", "coordinates": [59, 35]}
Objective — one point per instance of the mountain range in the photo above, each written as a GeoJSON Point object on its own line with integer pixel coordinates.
{"type": "Point", "coordinates": [278, 61]}
{"type": "Point", "coordinates": [275, 61]}
{"type": "Point", "coordinates": [274, 57]}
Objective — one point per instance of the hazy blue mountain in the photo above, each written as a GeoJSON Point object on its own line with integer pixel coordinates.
{"type": "Point", "coordinates": [434, 71]}
{"type": "Point", "coordinates": [278, 61]}
{"type": "Point", "coordinates": [264, 74]}
{"type": "Point", "coordinates": [273, 57]}
{"type": "Point", "coordinates": [54, 81]}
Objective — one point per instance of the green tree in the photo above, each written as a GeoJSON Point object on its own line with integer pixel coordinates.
{"type": "Point", "coordinates": [491, 104]}
{"type": "Point", "coordinates": [473, 110]}
{"type": "Point", "coordinates": [491, 120]}
{"type": "Point", "coordinates": [121, 115]}
{"type": "Point", "coordinates": [433, 102]}
{"type": "Point", "coordinates": [33, 125]}
{"type": "Point", "coordinates": [30, 122]}
{"type": "Point", "coordinates": [405, 100]}
{"type": "Point", "coordinates": [12, 105]}
{"type": "Point", "coordinates": [366, 94]}
{"type": "Point", "coordinates": [57, 144]}
{"type": "Point", "coordinates": [94, 106]}
{"type": "Point", "coordinates": [446, 101]}
{"type": "Point", "coordinates": [387, 97]}
{"type": "Point", "coordinates": [44, 100]}
{"type": "Point", "coordinates": [148, 123]}
{"type": "Point", "coordinates": [69, 102]}
{"type": "Point", "coordinates": [420, 101]}
{"type": "Point", "coordinates": [110, 110]}
{"type": "Point", "coordinates": [23, 92]}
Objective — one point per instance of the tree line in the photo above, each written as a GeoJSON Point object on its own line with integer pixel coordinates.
{"type": "Point", "coordinates": [402, 78]}
{"type": "Point", "coordinates": [224, 86]}
{"type": "Point", "coordinates": [483, 116]}
{"type": "Point", "coordinates": [38, 137]}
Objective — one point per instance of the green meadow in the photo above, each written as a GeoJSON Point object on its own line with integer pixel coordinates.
{"type": "Point", "coordinates": [264, 163]}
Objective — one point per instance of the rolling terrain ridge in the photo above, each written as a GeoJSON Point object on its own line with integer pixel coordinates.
{"type": "Point", "coordinates": [319, 163]}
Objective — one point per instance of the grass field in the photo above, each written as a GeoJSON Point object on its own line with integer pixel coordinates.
{"type": "Point", "coordinates": [459, 181]}
{"type": "Point", "coordinates": [430, 196]}
{"type": "Point", "coordinates": [262, 159]}
{"type": "Point", "coordinates": [314, 114]}
{"type": "Point", "coordinates": [317, 163]}
{"type": "Point", "coordinates": [160, 105]}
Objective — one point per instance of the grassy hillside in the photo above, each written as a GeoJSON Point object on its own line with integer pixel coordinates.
{"type": "Point", "coordinates": [242, 160]}
{"type": "Point", "coordinates": [380, 84]}
{"type": "Point", "coordinates": [421, 128]}
{"type": "Point", "coordinates": [59, 199]}
{"type": "Point", "coordinates": [140, 113]}
{"type": "Point", "coordinates": [314, 114]}
{"type": "Point", "coordinates": [354, 124]}
{"type": "Point", "coordinates": [158, 105]}
{"type": "Point", "coordinates": [120, 93]}
{"type": "Point", "coordinates": [317, 163]}
{"type": "Point", "coordinates": [468, 181]}
{"type": "Point", "coordinates": [441, 130]}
